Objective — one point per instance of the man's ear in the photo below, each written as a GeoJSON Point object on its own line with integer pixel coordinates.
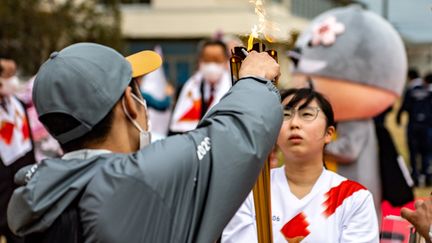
{"type": "Point", "coordinates": [329, 134]}
{"type": "Point", "coordinates": [130, 104]}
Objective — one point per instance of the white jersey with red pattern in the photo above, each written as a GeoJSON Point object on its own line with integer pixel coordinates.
{"type": "Point", "coordinates": [336, 210]}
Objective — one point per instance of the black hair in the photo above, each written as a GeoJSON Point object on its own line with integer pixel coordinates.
{"type": "Point", "coordinates": [211, 42]}
{"type": "Point", "coordinates": [308, 95]}
{"type": "Point", "coordinates": [58, 123]}
{"type": "Point", "coordinates": [428, 78]}
{"type": "Point", "coordinates": [413, 73]}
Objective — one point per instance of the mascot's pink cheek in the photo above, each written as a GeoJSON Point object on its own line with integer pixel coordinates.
{"type": "Point", "coordinates": [351, 100]}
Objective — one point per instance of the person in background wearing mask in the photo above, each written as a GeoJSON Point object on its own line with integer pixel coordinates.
{"type": "Point", "coordinates": [204, 89]}
{"type": "Point", "coordinates": [184, 188]}
{"type": "Point", "coordinates": [16, 145]}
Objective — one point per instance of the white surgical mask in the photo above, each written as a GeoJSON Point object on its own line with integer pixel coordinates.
{"type": "Point", "coordinates": [212, 71]}
{"type": "Point", "coordinates": [9, 86]}
{"type": "Point", "coordinates": [145, 136]}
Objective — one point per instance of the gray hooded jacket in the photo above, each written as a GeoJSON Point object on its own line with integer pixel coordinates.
{"type": "Point", "coordinates": [185, 188]}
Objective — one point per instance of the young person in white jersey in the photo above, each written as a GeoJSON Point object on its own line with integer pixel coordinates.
{"type": "Point", "coordinates": [309, 202]}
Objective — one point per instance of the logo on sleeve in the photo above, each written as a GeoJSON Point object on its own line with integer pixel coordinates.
{"type": "Point", "coordinates": [203, 148]}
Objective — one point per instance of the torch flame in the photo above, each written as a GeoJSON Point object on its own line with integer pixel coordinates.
{"type": "Point", "coordinates": [250, 42]}
{"type": "Point", "coordinates": [264, 26]}
{"type": "Point", "coordinates": [254, 34]}
{"type": "Point", "coordinates": [269, 38]}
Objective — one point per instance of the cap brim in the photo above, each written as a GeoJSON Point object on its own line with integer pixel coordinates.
{"type": "Point", "coordinates": [144, 62]}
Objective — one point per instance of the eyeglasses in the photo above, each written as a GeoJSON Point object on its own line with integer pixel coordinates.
{"type": "Point", "coordinates": [305, 114]}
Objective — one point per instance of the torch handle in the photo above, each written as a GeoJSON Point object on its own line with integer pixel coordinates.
{"type": "Point", "coordinates": [261, 190]}
{"type": "Point", "coordinates": [239, 54]}
{"type": "Point", "coordinates": [262, 201]}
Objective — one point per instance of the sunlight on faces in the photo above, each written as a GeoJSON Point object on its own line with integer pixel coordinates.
{"type": "Point", "coordinates": [349, 100]}
{"type": "Point", "coordinates": [303, 133]}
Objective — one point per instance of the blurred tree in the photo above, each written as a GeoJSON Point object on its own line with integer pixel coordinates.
{"type": "Point", "coordinates": [32, 29]}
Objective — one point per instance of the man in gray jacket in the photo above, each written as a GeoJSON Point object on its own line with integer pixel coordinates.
{"type": "Point", "coordinates": [182, 189]}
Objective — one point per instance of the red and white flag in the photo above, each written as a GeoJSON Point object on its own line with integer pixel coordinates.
{"type": "Point", "coordinates": [187, 112]}
{"type": "Point", "coordinates": [14, 132]}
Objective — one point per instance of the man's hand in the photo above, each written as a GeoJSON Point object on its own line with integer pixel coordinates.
{"type": "Point", "coordinates": [259, 65]}
{"type": "Point", "coordinates": [421, 218]}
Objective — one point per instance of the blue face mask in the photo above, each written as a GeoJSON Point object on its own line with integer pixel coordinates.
{"type": "Point", "coordinates": [145, 136]}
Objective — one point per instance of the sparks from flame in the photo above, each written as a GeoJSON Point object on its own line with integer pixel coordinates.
{"type": "Point", "coordinates": [263, 27]}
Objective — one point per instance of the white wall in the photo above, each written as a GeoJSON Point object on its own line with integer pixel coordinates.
{"type": "Point", "coordinates": [201, 18]}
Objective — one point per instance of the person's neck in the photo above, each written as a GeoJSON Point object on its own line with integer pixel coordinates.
{"type": "Point", "coordinates": [118, 138]}
{"type": "Point", "coordinates": [302, 175]}
{"type": "Point", "coordinates": [114, 144]}
{"type": "Point", "coordinates": [115, 141]}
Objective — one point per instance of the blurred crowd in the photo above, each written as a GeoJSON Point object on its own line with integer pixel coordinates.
{"type": "Point", "coordinates": [417, 104]}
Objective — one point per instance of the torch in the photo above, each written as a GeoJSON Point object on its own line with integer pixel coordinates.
{"type": "Point", "coordinates": [261, 190]}
{"type": "Point", "coordinates": [239, 53]}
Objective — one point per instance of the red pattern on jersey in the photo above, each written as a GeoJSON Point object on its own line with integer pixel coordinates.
{"type": "Point", "coordinates": [296, 227]}
{"type": "Point", "coordinates": [6, 132]}
{"type": "Point", "coordinates": [194, 113]}
{"type": "Point", "coordinates": [336, 195]}
{"type": "Point", "coordinates": [25, 129]}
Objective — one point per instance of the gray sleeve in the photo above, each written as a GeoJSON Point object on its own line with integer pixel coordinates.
{"type": "Point", "coordinates": [243, 130]}
{"type": "Point", "coordinates": [204, 176]}
{"type": "Point", "coordinates": [351, 139]}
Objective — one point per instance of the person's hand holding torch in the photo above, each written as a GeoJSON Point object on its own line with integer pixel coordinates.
{"type": "Point", "coordinates": [259, 65]}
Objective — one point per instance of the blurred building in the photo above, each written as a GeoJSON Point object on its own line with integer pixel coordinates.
{"type": "Point", "coordinates": [178, 26]}
{"type": "Point", "coordinates": [412, 19]}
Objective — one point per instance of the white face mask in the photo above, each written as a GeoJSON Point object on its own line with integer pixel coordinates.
{"type": "Point", "coordinates": [145, 136]}
{"type": "Point", "coordinates": [212, 71]}
{"type": "Point", "coordinates": [9, 86]}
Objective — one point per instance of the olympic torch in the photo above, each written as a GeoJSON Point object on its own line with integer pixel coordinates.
{"type": "Point", "coordinates": [261, 190]}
